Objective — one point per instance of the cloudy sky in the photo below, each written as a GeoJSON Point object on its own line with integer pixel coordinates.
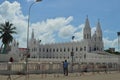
{"type": "Point", "coordinates": [55, 21]}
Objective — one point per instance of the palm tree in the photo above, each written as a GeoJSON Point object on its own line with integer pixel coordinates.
{"type": "Point", "coordinates": [6, 31]}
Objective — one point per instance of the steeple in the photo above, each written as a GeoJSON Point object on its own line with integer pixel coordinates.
{"type": "Point", "coordinates": [32, 36]}
{"type": "Point", "coordinates": [98, 30]}
{"type": "Point", "coordinates": [99, 42]}
{"type": "Point", "coordinates": [87, 30]}
{"type": "Point", "coordinates": [87, 25]}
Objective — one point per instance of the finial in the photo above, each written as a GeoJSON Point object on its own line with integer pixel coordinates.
{"type": "Point", "coordinates": [98, 20]}
{"type": "Point", "coordinates": [87, 16]}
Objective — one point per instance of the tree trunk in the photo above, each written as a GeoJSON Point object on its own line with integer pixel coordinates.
{"type": "Point", "coordinates": [5, 51]}
{"type": "Point", "coordinates": [1, 49]}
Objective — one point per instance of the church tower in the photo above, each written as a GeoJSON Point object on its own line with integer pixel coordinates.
{"type": "Point", "coordinates": [97, 38]}
{"type": "Point", "coordinates": [87, 30]}
{"type": "Point", "coordinates": [99, 31]}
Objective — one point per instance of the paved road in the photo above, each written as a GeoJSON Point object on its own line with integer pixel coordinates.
{"type": "Point", "coordinates": [73, 76]}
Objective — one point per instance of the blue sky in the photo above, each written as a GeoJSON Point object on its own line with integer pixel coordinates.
{"type": "Point", "coordinates": [57, 20]}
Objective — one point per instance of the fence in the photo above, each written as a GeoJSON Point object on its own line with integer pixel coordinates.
{"type": "Point", "coordinates": [17, 68]}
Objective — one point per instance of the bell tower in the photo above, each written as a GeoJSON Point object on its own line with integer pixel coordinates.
{"type": "Point", "coordinates": [99, 31]}
{"type": "Point", "coordinates": [87, 30]}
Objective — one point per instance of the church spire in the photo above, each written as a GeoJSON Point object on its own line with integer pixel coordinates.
{"type": "Point", "coordinates": [87, 30]}
{"type": "Point", "coordinates": [98, 25]}
{"type": "Point", "coordinates": [87, 25]}
{"type": "Point", "coordinates": [98, 29]}
{"type": "Point", "coordinates": [99, 32]}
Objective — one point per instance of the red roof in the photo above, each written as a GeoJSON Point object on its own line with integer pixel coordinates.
{"type": "Point", "coordinates": [22, 49]}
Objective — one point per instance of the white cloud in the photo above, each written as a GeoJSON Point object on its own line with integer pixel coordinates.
{"type": "Point", "coordinates": [79, 33]}
{"type": "Point", "coordinates": [10, 11]}
{"type": "Point", "coordinates": [47, 38]}
{"type": "Point", "coordinates": [67, 31]}
{"type": "Point", "coordinates": [51, 24]}
{"type": "Point", "coordinates": [110, 43]}
{"type": "Point", "coordinates": [53, 27]}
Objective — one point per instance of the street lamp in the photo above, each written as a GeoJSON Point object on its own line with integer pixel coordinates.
{"type": "Point", "coordinates": [28, 31]}
{"type": "Point", "coordinates": [72, 53]}
{"type": "Point", "coordinates": [39, 52]}
{"type": "Point", "coordinates": [118, 33]}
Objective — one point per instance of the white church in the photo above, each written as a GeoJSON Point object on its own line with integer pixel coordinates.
{"type": "Point", "coordinates": [88, 50]}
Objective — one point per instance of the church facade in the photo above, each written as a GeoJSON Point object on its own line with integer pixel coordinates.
{"type": "Point", "coordinates": [89, 49]}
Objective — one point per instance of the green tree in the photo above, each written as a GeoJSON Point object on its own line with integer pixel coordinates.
{"type": "Point", "coordinates": [6, 31]}
{"type": "Point", "coordinates": [116, 52]}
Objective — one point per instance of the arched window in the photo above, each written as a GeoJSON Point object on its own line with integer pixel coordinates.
{"type": "Point", "coordinates": [68, 49]}
{"type": "Point", "coordinates": [57, 50]}
{"type": "Point", "coordinates": [76, 49]}
{"type": "Point", "coordinates": [80, 49]}
{"type": "Point", "coordinates": [64, 49]}
{"type": "Point", "coordinates": [94, 48]}
{"type": "Point", "coordinates": [85, 48]}
{"type": "Point", "coordinates": [60, 49]}
{"type": "Point", "coordinates": [53, 50]}
{"type": "Point", "coordinates": [47, 50]}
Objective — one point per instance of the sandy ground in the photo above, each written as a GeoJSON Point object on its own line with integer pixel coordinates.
{"type": "Point", "coordinates": [71, 76]}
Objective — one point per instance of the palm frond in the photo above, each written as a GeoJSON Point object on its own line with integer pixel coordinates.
{"type": "Point", "coordinates": [6, 31]}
